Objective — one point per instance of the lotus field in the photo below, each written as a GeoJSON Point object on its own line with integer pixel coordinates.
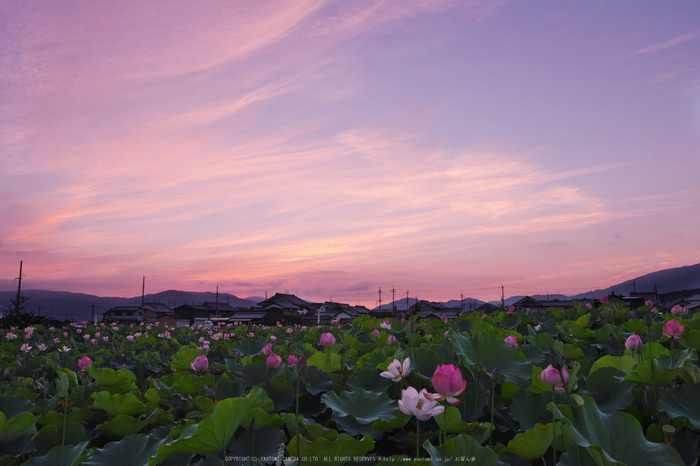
{"type": "Point", "coordinates": [582, 386]}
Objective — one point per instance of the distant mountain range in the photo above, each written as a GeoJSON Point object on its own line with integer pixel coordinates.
{"type": "Point", "coordinates": [78, 306]}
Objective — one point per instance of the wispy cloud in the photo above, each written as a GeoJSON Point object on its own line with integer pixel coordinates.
{"type": "Point", "coordinates": [688, 36]}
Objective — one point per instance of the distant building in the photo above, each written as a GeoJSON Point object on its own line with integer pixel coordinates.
{"type": "Point", "coordinates": [149, 312]}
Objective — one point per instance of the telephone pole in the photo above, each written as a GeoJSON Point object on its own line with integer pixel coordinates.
{"type": "Point", "coordinates": [503, 297]}
{"type": "Point", "coordinates": [407, 301]}
{"type": "Point", "coordinates": [19, 288]}
{"type": "Point", "coordinates": [143, 290]}
{"type": "Point", "coordinates": [393, 298]}
{"type": "Point", "coordinates": [380, 298]}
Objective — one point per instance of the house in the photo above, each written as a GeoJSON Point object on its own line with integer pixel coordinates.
{"type": "Point", "coordinates": [332, 311]}
{"type": "Point", "coordinates": [487, 308]}
{"type": "Point", "coordinates": [259, 317]}
{"type": "Point", "coordinates": [148, 312]}
{"type": "Point", "coordinates": [432, 310]}
{"type": "Point", "coordinates": [632, 302]}
{"type": "Point", "coordinates": [293, 308]}
{"type": "Point", "coordinates": [533, 304]}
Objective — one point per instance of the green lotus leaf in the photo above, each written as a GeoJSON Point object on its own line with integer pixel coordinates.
{"type": "Point", "coordinates": [491, 352]}
{"type": "Point", "coordinates": [530, 408]}
{"type": "Point", "coordinates": [17, 426]}
{"type": "Point", "coordinates": [120, 381]}
{"type": "Point", "coordinates": [369, 379]}
{"type": "Point", "coordinates": [116, 404]}
{"type": "Point", "coordinates": [610, 391]}
{"type": "Point", "coordinates": [12, 405]}
{"type": "Point", "coordinates": [363, 405]}
{"type": "Point", "coordinates": [186, 356]}
{"type": "Point", "coordinates": [215, 432]}
{"type": "Point", "coordinates": [461, 450]}
{"type": "Point", "coordinates": [651, 372]}
{"type": "Point", "coordinates": [258, 373]}
{"type": "Point", "coordinates": [578, 331]}
{"type": "Point", "coordinates": [133, 450]}
{"type": "Point", "coordinates": [691, 339]}
{"type": "Point", "coordinates": [615, 438]}
{"type": "Point", "coordinates": [316, 381]}
{"type": "Point", "coordinates": [263, 442]}
{"type": "Point", "coordinates": [376, 357]}
{"type": "Point", "coordinates": [320, 360]}
{"type": "Point", "coordinates": [65, 456]}
{"type": "Point", "coordinates": [281, 393]}
{"type": "Point", "coordinates": [330, 452]}
{"type": "Point", "coordinates": [634, 326]}
{"type": "Point", "coordinates": [625, 363]}
{"type": "Point", "coordinates": [573, 353]}
{"type": "Point", "coordinates": [51, 436]}
{"type": "Point", "coordinates": [186, 384]}
{"type": "Point", "coordinates": [678, 358]}
{"type": "Point", "coordinates": [351, 427]}
{"type": "Point", "coordinates": [451, 422]}
{"type": "Point", "coordinates": [250, 347]}
{"type": "Point", "coordinates": [123, 425]}
{"type": "Point", "coordinates": [532, 443]}
{"type": "Point", "coordinates": [398, 422]}
{"type": "Point", "coordinates": [424, 361]}
{"type": "Point", "coordinates": [55, 418]}
{"type": "Point", "coordinates": [683, 401]}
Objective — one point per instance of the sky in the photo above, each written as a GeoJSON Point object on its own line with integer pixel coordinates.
{"type": "Point", "coordinates": [327, 149]}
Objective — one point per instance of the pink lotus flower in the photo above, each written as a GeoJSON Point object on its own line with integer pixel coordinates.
{"type": "Point", "coordinates": [391, 340]}
{"type": "Point", "coordinates": [655, 311]}
{"type": "Point", "coordinates": [634, 342]}
{"type": "Point", "coordinates": [511, 340]}
{"type": "Point", "coordinates": [201, 363]}
{"type": "Point", "coordinates": [649, 303]}
{"type": "Point", "coordinates": [84, 362]}
{"type": "Point", "coordinates": [678, 309]}
{"type": "Point", "coordinates": [605, 300]}
{"type": "Point", "coordinates": [273, 361]}
{"type": "Point", "coordinates": [511, 308]}
{"type": "Point", "coordinates": [385, 325]}
{"type": "Point", "coordinates": [673, 329]}
{"type": "Point", "coordinates": [418, 404]}
{"type": "Point", "coordinates": [25, 347]}
{"type": "Point", "coordinates": [10, 336]}
{"type": "Point", "coordinates": [327, 340]}
{"type": "Point", "coordinates": [41, 347]}
{"type": "Point", "coordinates": [551, 377]}
{"type": "Point", "coordinates": [376, 333]}
{"type": "Point", "coordinates": [130, 337]}
{"type": "Point", "coordinates": [291, 360]}
{"type": "Point", "coordinates": [267, 350]}
{"type": "Point", "coordinates": [589, 305]}
{"type": "Point", "coordinates": [397, 371]}
{"type": "Point", "coordinates": [448, 383]}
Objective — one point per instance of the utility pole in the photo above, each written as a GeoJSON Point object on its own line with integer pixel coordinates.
{"type": "Point", "coordinates": [407, 301]}
{"type": "Point", "coordinates": [393, 299]}
{"type": "Point", "coordinates": [461, 295]}
{"type": "Point", "coordinates": [92, 317]}
{"type": "Point", "coordinates": [380, 298]}
{"type": "Point", "coordinates": [19, 288]}
{"type": "Point", "coordinates": [656, 295]}
{"type": "Point", "coordinates": [143, 290]}
{"type": "Point", "coordinates": [634, 287]}
{"type": "Point", "coordinates": [503, 297]}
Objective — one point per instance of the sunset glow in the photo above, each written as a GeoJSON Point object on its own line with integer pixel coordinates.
{"type": "Point", "coordinates": [331, 148]}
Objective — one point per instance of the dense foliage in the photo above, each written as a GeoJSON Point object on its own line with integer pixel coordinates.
{"type": "Point", "coordinates": [518, 387]}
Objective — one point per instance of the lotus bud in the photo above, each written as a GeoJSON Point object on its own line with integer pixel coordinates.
{"type": "Point", "coordinates": [556, 359]}
{"type": "Point", "coordinates": [648, 319]}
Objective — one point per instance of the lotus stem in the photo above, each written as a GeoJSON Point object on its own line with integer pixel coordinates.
{"type": "Point", "coordinates": [296, 418]}
{"type": "Point", "coordinates": [417, 438]}
{"type": "Point", "coordinates": [554, 432]}
{"type": "Point", "coordinates": [493, 398]}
